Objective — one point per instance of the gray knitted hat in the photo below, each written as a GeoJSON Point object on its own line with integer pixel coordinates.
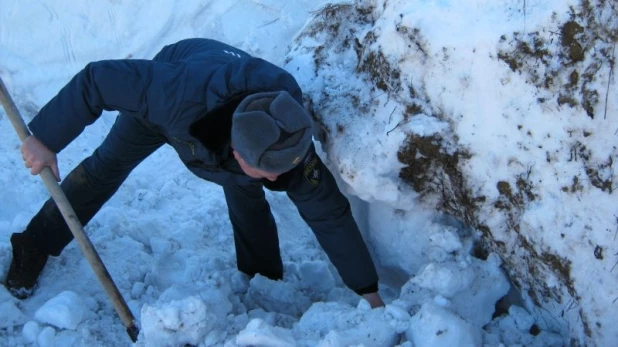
{"type": "Point", "coordinates": [271, 131]}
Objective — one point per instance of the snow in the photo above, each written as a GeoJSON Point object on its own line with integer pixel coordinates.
{"type": "Point", "coordinates": [11, 315]}
{"type": "Point", "coordinates": [64, 311]}
{"type": "Point", "coordinates": [352, 326]}
{"type": "Point", "coordinates": [168, 244]}
{"type": "Point", "coordinates": [177, 323]}
{"type": "Point", "coordinates": [435, 326]}
{"type": "Point", "coordinates": [31, 331]}
{"type": "Point", "coordinates": [260, 333]}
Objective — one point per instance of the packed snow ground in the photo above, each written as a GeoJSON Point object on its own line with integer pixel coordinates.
{"type": "Point", "coordinates": [165, 237]}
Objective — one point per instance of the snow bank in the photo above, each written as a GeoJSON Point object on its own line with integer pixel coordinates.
{"type": "Point", "coordinates": [493, 113]}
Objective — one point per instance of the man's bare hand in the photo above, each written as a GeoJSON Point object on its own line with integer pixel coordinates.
{"type": "Point", "coordinates": [37, 156]}
{"type": "Point", "coordinates": [374, 300]}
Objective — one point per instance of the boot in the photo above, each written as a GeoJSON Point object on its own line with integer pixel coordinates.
{"type": "Point", "coordinates": [26, 266]}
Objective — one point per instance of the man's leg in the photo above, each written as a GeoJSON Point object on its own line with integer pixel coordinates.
{"type": "Point", "coordinates": [255, 232]}
{"type": "Point", "coordinates": [95, 180]}
{"type": "Point", "coordinates": [87, 188]}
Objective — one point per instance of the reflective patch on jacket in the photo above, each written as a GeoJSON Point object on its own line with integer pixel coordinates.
{"type": "Point", "coordinates": [312, 171]}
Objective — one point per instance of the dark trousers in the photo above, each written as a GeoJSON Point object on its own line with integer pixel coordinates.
{"type": "Point", "coordinates": [98, 177]}
{"type": "Point", "coordinates": [255, 231]}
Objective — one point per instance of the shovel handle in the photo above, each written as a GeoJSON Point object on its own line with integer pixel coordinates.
{"type": "Point", "coordinates": [73, 222]}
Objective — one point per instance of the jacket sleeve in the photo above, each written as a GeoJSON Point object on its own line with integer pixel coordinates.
{"type": "Point", "coordinates": [140, 88]}
{"type": "Point", "coordinates": [327, 212]}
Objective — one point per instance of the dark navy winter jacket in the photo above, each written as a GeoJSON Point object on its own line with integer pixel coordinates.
{"type": "Point", "coordinates": [192, 87]}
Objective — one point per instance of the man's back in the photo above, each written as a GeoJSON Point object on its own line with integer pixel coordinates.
{"type": "Point", "coordinates": [198, 48]}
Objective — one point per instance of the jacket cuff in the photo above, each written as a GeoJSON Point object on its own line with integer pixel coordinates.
{"type": "Point", "coordinates": [373, 288]}
{"type": "Point", "coordinates": [46, 138]}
